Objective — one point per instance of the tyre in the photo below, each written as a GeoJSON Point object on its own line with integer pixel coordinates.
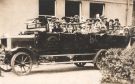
{"type": "Point", "coordinates": [99, 60]}
{"type": "Point", "coordinates": [5, 65]}
{"type": "Point", "coordinates": [21, 63]}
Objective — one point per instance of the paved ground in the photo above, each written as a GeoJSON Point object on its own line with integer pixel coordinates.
{"type": "Point", "coordinates": [55, 74]}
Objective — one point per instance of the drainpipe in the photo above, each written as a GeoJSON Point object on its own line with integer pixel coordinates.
{"type": "Point", "coordinates": [127, 10]}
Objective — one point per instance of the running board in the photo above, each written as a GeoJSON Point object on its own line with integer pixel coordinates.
{"type": "Point", "coordinates": [69, 62]}
{"type": "Point", "coordinates": [68, 55]}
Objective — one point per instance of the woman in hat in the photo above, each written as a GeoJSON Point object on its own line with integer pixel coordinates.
{"type": "Point", "coordinates": [97, 26]}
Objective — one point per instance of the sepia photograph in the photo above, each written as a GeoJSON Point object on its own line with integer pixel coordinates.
{"type": "Point", "coordinates": [67, 42]}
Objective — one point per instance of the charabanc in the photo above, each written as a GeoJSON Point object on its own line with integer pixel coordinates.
{"type": "Point", "coordinates": [36, 46]}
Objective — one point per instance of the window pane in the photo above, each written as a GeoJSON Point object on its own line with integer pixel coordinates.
{"type": "Point", "coordinates": [72, 8]}
{"type": "Point", "coordinates": [46, 7]}
{"type": "Point", "coordinates": [96, 8]}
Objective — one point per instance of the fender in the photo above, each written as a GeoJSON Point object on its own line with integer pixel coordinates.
{"type": "Point", "coordinates": [98, 54]}
{"type": "Point", "coordinates": [33, 54]}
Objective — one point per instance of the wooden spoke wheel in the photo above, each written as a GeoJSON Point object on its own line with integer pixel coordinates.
{"type": "Point", "coordinates": [21, 63]}
{"type": "Point", "coordinates": [5, 65]}
{"type": "Point", "coordinates": [99, 63]}
{"type": "Point", "coordinates": [80, 64]}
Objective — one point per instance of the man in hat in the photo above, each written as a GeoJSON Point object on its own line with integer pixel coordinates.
{"type": "Point", "coordinates": [57, 27]}
{"type": "Point", "coordinates": [53, 18]}
{"type": "Point", "coordinates": [111, 26]}
{"type": "Point", "coordinates": [105, 22]}
{"type": "Point", "coordinates": [76, 19]}
{"type": "Point", "coordinates": [117, 24]}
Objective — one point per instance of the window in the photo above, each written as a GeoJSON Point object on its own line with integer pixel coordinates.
{"type": "Point", "coordinates": [72, 8]}
{"type": "Point", "coordinates": [96, 8]}
{"type": "Point", "coordinates": [46, 7]}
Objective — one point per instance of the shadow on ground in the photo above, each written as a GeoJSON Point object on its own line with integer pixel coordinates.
{"type": "Point", "coordinates": [63, 70]}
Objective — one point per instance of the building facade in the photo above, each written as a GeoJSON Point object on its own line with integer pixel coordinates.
{"type": "Point", "coordinates": [14, 13]}
{"type": "Point", "coordinates": [133, 16]}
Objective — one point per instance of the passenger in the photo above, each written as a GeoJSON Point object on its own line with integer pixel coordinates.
{"type": "Point", "coordinates": [117, 24]}
{"type": "Point", "coordinates": [88, 24]}
{"type": "Point", "coordinates": [78, 30]}
{"type": "Point", "coordinates": [92, 25]}
{"type": "Point", "coordinates": [92, 22]}
{"type": "Point", "coordinates": [83, 20]}
{"type": "Point", "coordinates": [70, 28]}
{"type": "Point", "coordinates": [76, 26]}
{"type": "Point", "coordinates": [102, 17]}
{"type": "Point", "coordinates": [126, 31]}
{"type": "Point", "coordinates": [111, 26]}
{"type": "Point", "coordinates": [71, 20]}
{"type": "Point", "coordinates": [57, 27]}
{"type": "Point", "coordinates": [76, 19]}
{"type": "Point", "coordinates": [54, 19]}
{"type": "Point", "coordinates": [84, 29]}
{"type": "Point", "coordinates": [105, 23]}
{"type": "Point", "coordinates": [97, 26]}
{"type": "Point", "coordinates": [64, 19]}
{"type": "Point", "coordinates": [50, 25]}
{"type": "Point", "coordinates": [64, 27]}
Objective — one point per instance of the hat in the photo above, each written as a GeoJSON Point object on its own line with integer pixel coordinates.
{"type": "Point", "coordinates": [48, 18]}
{"type": "Point", "coordinates": [71, 18]}
{"type": "Point", "coordinates": [105, 17]}
{"type": "Point", "coordinates": [111, 20]}
{"type": "Point", "coordinates": [116, 19]}
{"type": "Point", "coordinates": [63, 18]}
{"type": "Point", "coordinates": [53, 17]}
{"type": "Point", "coordinates": [97, 19]}
{"type": "Point", "coordinates": [63, 22]}
{"type": "Point", "coordinates": [89, 19]}
{"type": "Point", "coordinates": [76, 16]}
